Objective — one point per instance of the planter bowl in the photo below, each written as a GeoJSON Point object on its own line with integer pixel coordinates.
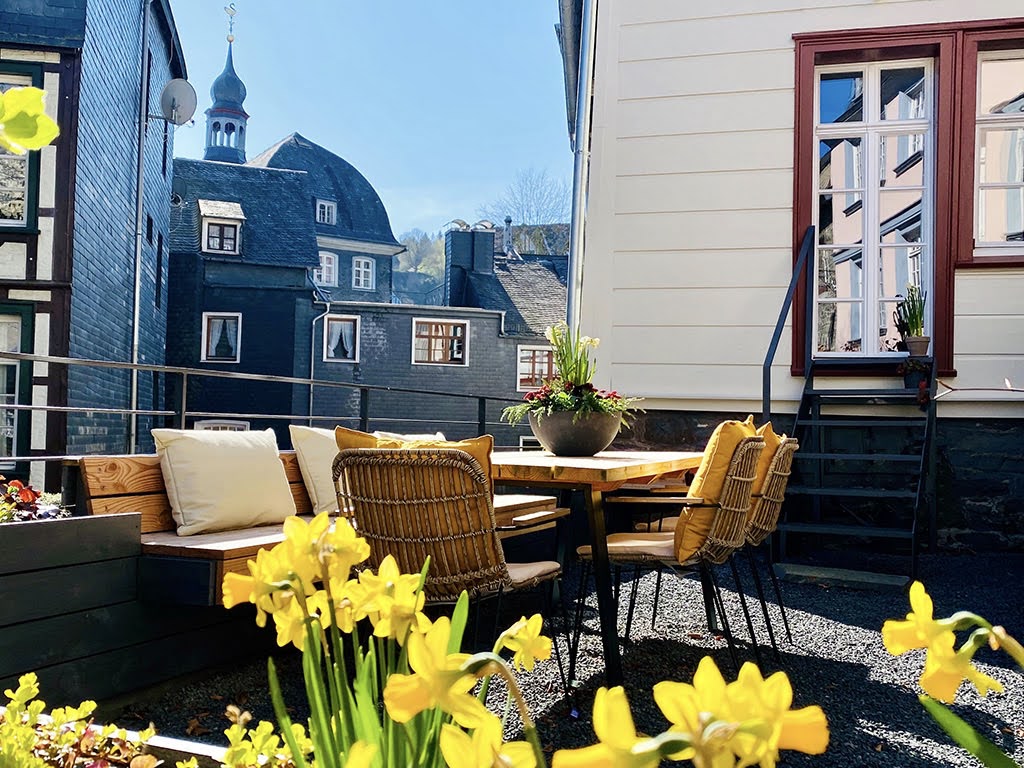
{"type": "Point", "coordinates": [589, 434]}
{"type": "Point", "coordinates": [917, 346]}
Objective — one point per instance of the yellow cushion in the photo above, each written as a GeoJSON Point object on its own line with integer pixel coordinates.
{"type": "Point", "coordinates": [695, 523]}
{"type": "Point", "coordinates": [478, 447]}
{"type": "Point", "coordinates": [771, 445]}
{"type": "Point", "coordinates": [222, 481]}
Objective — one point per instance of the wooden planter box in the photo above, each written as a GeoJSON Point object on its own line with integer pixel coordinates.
{"type": "Point", "coordinates": [73, 614]}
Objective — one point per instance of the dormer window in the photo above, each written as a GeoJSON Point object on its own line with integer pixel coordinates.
{"type": "Point", "coordinates": [222, 226]}
{"type": "Point", "coordinates": [326, 212]}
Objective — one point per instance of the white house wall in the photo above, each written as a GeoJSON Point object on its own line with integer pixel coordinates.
{"type": "Point", "coordinates": [689, 220]}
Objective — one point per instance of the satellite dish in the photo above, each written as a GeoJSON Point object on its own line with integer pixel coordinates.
{"type": "Point", "coordinates": [178, 101]}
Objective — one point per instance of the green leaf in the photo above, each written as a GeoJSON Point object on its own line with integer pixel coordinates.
{"type": "Point", "coordinates": [963, 734]}
{"type": "Point", "coordinates": [460, 614]}
{"type": "Point", "coordinates": [283, 721]}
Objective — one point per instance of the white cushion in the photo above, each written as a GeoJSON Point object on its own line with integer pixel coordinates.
{"type": "Point", "coordinates": [316, 449]}
{"type": "Point", "coordinates": [641, 546]}
{"type": "Point", "coordinates": [526, 574]}
{"type": "Point", "coordinates": [222, 481]}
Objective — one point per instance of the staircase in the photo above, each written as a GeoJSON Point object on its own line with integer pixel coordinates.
{"type": "Point", "coordinates": [864, 472]}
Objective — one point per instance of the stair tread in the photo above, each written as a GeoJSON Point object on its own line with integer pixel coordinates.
{"type": "Point", "coordinates": [857, 456]}
{"type": "Point", "coordinates": [829, 422]}
{"type": "Point", "coordinates": [873, 493]}
{"type": "Point", "coordinates": [874, 392]}
{"type": "Point", "coordinates": [840, 529]}
{"type": "Point", "coordinates": [845, 577]}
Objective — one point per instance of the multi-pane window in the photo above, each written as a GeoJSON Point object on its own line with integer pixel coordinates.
{"type": "Point", "coordinates": [535, 366]}
{"type": "Point", "coordinates": [874, 189]}
{"type": "Point", "coordinates": [341, 339]}
{"type": "Point", "coordinates": [440, 342]}
{"type": "Point", "coordinates": [364, 274]}
{"type": "Point", "coordinates": [222, 238]}
{"type": "Point", "coordinates": [10, 341]}
{"type": "Point", "coordinates": [999, 155]}
{"type": "Point", "coordinates": [14, 170]}
{"type": "Point", "coordinates": [326, 211]}
{"type": "Point", "coordinates": [327, 273]}
{"type": "Point", "coordinates": [222, 336]}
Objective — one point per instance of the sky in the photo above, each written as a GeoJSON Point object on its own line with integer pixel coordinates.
{"type": "Point", "coordinates": [437, 103]}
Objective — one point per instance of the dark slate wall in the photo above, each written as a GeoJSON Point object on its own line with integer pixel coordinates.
{"type": "Point", "coordinates": [58, 23]}
{"type": "Point", "coordinates": [345, 291]}
{"type": "Point", "coordinates": [104, 240]}
{"type": "Point", "coordinates": [980, 472]}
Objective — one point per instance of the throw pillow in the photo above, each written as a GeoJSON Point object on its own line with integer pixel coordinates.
{"type": "Point", "coordinates": [222, 481]}
{"type": "Point", "coordinates": [315, 450]}
{"type": "Point", "coordinates": [771, 445]}
{"type": "Point", "coordinates": [478, 447]}
{"type": "Point", "coordinates": [411, 436]}
{"type": "Point", "coordinates": [695, 523]}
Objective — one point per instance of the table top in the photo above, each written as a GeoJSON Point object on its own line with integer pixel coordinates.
{"type": "Point", "coordinates": [606, 468]}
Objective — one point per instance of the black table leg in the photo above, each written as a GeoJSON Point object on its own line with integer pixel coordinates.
{"type": "Point", "coordinates": [606, 607]}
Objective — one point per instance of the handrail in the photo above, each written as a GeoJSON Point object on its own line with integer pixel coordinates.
{"type": "Point", "coordinates": [766, 369]}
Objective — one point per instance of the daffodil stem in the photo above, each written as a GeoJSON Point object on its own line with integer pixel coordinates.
{"type": "Point", "coordinates": [529, 730]}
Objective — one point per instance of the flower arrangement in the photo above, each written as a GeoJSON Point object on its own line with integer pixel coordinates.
{"type": "Point", "coordinates": [946, 667]}
{"type": "Point", "coordinates": [571, 389]}
{"type": "Point", "coordinates": [20, 503]}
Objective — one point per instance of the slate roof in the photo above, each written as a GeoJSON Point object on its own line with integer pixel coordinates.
{"type": "Point", "coordinates": [361, 214]}
{"type": "Point", "coordinates": [278, 229]}
{"type": "Point", "coordinates": [58, 23]}
{"type": "Point", "coordinates": [531, 292]}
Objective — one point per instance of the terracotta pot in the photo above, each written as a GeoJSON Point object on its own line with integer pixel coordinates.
{"type": "Point", "coordinates": [917, 346]}
{"type": "Point", "coordinates": [587, 435]}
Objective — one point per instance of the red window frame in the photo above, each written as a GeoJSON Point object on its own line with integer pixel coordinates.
{"type": "Point", "coordinates": [954, 47]}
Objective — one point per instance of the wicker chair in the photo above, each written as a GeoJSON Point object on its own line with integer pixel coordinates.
{"type": "Point", "coordinates": [436, 503]}
{"type": "Point", "coordinates": [726, 536]}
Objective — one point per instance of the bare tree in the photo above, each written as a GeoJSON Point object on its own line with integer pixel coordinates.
{"type": "Point", "coordinates": [533, 197]}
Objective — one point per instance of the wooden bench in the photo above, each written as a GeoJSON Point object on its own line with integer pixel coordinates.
{"type": "Point", "coordinates": [190, 569]}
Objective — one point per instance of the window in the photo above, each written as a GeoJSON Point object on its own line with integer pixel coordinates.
{"type": "Point", "coordinates": [341, 339]}
{"type": "Point", "coordinates": [222, 425]}
{"type": "Point", "coordinates": [440, 342]}
{"type": "Point", "coordinates": [19, 174]}
{"type": "Point", "coordinates": [159, 287]}
{"type": "Point", "coordinates": [149, 229]}
{"type": "Point", "coordinates": [327, 273]}
{"type": "Point", "coordinates": [944, 149]}
{"type": "Point", "coordinates": [364, 273]}
{"type": "Point", "coordinates": [222, 238]}
{"type": "Point", "coordinates": [222, 334]}
{"type": "Point", "coordinates": [535, 366]}
{"type": "Point", "coordinates": [326, 211]}
{"type": "Point", "coordinates": [10, 341]}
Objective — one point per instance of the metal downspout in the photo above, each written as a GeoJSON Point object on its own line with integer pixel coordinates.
{"type": "Point", "coordinates": [312, 351]}
{"type": "Point", "coordinates": [144, 78]}
{"type": "Point", "coordinates": [581, 160]}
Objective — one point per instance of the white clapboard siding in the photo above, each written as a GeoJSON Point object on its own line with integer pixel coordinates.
{"type": "Point", "coordinates": [689, 232]}
{"type": "Point", "coordinates": [762, 190]}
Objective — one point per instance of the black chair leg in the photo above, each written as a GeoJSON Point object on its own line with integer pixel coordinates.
{"type": "Point", "coordinates": [727, 631]}
{"type": "Point", "coordinates": [708, 591]}
{"type": "Point", "coordinates": [764, 603]}
{"type": "Point", "coordinates": [746, 612]}
{"type": "Point", "coordinates": [554, 636]}
{"type": "Point", "coordinates": [632, 602]}
{"type": "Point", "coordinates": [782, 606]}
{"type": "Point", "coordinates": [574, 645]}
{"type": "Point", "coordinates": [657, 594]}
{"type": "Point", "coordinates": [497, 614]}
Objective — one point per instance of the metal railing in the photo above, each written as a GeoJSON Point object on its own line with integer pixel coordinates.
{"type": "Point", "coordinates": [179, 415]}
{"type": "Point", "coordinates": [806, 248]}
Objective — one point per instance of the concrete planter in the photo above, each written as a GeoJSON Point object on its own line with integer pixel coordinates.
{"type": "Point", "coordinates": [564, 435]}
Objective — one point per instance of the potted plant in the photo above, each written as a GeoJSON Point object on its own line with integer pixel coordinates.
{"type": "Point", "coordinates": [909, 319]}
{"type": "Point", "coordinates": [915, 372]}
{"type": "Point", "coordinates": [568, 414]}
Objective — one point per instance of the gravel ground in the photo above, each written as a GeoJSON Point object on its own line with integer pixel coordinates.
{"type": "Point", "coordinates": [837, 661]}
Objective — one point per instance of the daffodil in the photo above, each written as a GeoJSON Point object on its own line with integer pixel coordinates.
{"type": "Point", "coordinates": [919, 629]}
{"type": "Point", "coordinates": [438, 681]}
{"type": "Point", "coordinates": [341, 548]}
{"type": "Point", "coordinates": [484, 749]}
{"type": "Point", "coordinates": [691, 708]}
{"type": "Point", "coordinates": [271, 583]}
{"type": "Point", "coordinates": [360, 755]}
{"type": "Point", "coordinates": [392, 600]}
{"type": "Point", "coordinates": [24, 124]}
{"type": "Point", "coordinates": [618, 745]}
{"type": "Point", "coordinates": [945, 669]}
{"type": "Point", "coordinates": [527, 644]}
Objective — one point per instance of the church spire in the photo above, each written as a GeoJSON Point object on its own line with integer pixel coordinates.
{"type": "Point", "coordinates": [226, 118]}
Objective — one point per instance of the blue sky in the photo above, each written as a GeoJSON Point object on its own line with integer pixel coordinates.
{"type": "Point", "coordinates": [438, 103]}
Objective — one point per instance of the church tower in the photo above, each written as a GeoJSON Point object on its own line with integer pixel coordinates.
{"type": "Point", "coordinates": [226, 118]}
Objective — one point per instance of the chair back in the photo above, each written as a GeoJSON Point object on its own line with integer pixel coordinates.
{"type": "Point", "coordinates": [764, 516]}
{"type": "Point", "coordinates": [729, 524]}
{"type": "Point", "coordinates": [425, 502]}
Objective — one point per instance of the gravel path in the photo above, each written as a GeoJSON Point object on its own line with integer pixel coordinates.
{"type": "Point", "coordinates": [837, 661]}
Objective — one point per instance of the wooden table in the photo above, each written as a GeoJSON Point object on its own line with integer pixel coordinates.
{"type": "Point", "coordinates": [593, 475]}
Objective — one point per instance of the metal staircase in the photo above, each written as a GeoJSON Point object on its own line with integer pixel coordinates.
{"type": "Point", "coordinates": [864, 471]}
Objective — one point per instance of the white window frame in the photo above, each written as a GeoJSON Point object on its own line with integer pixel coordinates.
{"type": "Point", "coordinates": [327, 272]}
{"type": "Point", "coordinates": [1007, 122]}
{"type": "Point", "coordinates": [207, 317]}
{"type": "Point", "coordinates": [208, 221]}
{"type": "Point", "coordinates": [364, 270]}
{"type": "Point", "coordinates": [326, 212]}
{"type": "Point", "coordinates": [461, 359]}
{"type": "Point", "coordinates": [520, 349]}
{"type": "Point", "coordinates": [327, 335]}
{"type": "Point", "coordinates": [870, 129]}
{"type": "Point", "coordinates": [12, 398]}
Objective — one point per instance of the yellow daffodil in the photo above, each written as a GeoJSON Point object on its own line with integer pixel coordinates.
{"type": "Point", "coordinates": [438, 681]}
{"type": "Point", "coordinates": [946, 669]}
{"type": "Point", "coordinates": [690, 708]}
{"type": "Point", "coordinates": [618, 745]}
{"type": "Point", "coordinates": [484, 749]}
{"type": "Point", "coordinates": [526, 642]}
{"type": "Point", "coordinates": [24, 124]}
{"type": "Point", "coordinates": [919, 629]}
{"type": "Point", "coordinates": [392, 601]}
{"type": "Point", "coordinates": [271, 583]}
{"type": "Point", "coordinates": [341, 549]}
{"type": "Point", "coordinates": [360, 755]}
